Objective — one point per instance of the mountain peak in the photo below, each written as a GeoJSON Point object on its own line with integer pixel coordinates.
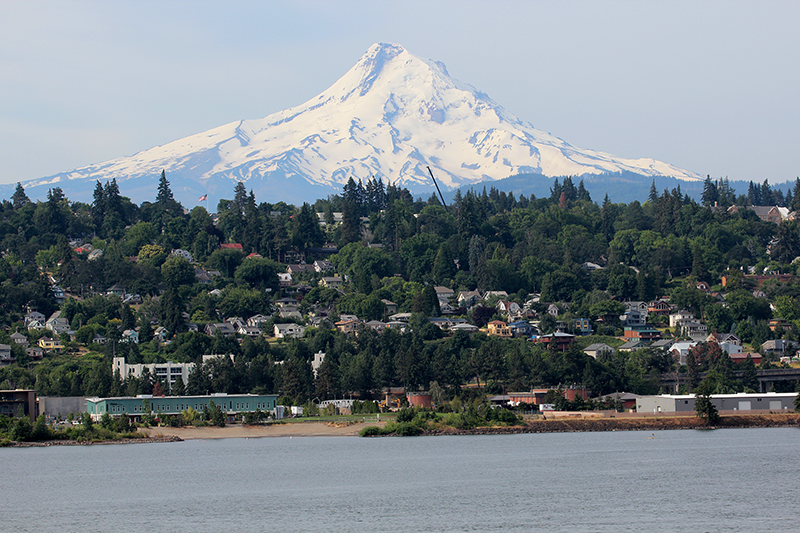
{"type": "Point", "coordinates": [393, 114]}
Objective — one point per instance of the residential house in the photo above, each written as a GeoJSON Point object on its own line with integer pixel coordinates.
{"type": "Point", "coordinates": [348, 326]}
{"type": "Point", "coordinates": [58, 294]}
{"type": "Point", "coordinates": [19, 339]}
{"type": "Point", "coordinates": [632, 345]}
{"type": "Point", "coordinates": [57, 324]}
{"type": "Point", "coordinates": [662, 344]}
{"type": "Point", "coordinates": [512, 310]}
{"type": "Point", "coordinates": [582, 326]}
{"type": "Point", "coordinates": [116, 290]}
{"type": "Point", "coordinates": [443, 293]}
{"type": "Point", "coordinates": [521, 328]}
{"type": "Point", "coordinates": [286, 302]}
{"type": "Point", "coordinates": [323, 265]}
{"type": "Point", "coordinates": [34, 352]}
{"type": "Point", "coordinates": [300, 268]}
{"type": "Point", "coordinates": [676, 318]}
{"type": "Point", "coordinates": [235, 321]}
{"type": "Point", "coordinates": [51, 345]}
{"type": "Point", "coordinates": [290, 312]}
{"type": "Point", "coordinates": [98, 339]}
{"type": "Point", "coordinates": [282, 331]}
{"type": "Point", "coordinates": [659, 308]}
{"type": "Point", "coordinates": [680, 350]}
{"type": "Point", "coordinates": [390, 307]}
{"type": "Point", "coordinates": [499, 328]}
{"type": "Point", "coordinates": [492, 294]}
{"type": "Point", "coordinates": [284, 280]}
{"type": "Point", "coordinates": [5, 355]}
{"type": "Point", "coordinates": [767, 213]}
{"type": "Point", "coordinates": [442, 323]}
{"type": "Point", "coordinates": [779, 347]}
{"type": "Point", "coordinates": [232, 246]}
{"type": "Point", "coordinates": [633, 317]}
{"type": "Point", "coordinates": [130, 335]}
{"type": "Point", "coordinates": [468, 298]}
{"type": "Point", "coordinates": [598, 348]}
{"type": "Point", "coordinates": [331, 282]}
{"type": "Point", "coordinates": [553, 310]}
{"type": "Point", "coordinates": [248, 331]}
{"type": "Point", "coordinates": [257, 320]}
{"type": "Point", "coordinates": [400, 317]}
{"type": "Point", "coordinates": [562, 340]}
{"type": "Point", "coordinates": [694, 330]}
{"type": "Point", "coordinates": [729, 338]}
{"type": "Point", "coordinates": [643, 333]}
{"type": "Point", "coordinates": [225, 328]}
{"type": "Point", "coordinates": [778, 325]}
{"type": "Point", "coordinates": [161, 333]}
{"type": "Point", "coordinates": [377, 325]}
{"type": "Point", "coordinates": [34, 316]}
{"type": "Point", "coordinates": [639, 306]}
{"type": "Point", "coordinates": [467, 328]}
{"type": "Point", "coordinates": [94, 255]}
{"type": "Point", "coordinates": [34, 325]}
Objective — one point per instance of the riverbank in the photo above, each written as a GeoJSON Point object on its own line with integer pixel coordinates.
{"type": "Point", "coordinates": [565, 425]}
{"type": "Point", "coordinates": [142, 440]}
{"type": "Point", "coordinates": [289, 429]}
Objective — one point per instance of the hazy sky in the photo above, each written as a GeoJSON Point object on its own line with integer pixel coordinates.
{"type": "Point", "coordinates": [712, 87]}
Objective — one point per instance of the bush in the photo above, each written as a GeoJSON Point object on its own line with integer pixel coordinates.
{"type": "Point", "coordinates": [371, 431]}
{"type": "Point", "coordinates": [406, 414]}
{"type": "Point", "coordinates": [405, 429]}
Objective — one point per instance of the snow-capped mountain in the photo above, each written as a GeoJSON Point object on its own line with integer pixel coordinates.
{"type": "Point", "coordinates": [391, 116]}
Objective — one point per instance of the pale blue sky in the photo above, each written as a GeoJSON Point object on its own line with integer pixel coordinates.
{"type": "Point", "coordinates": [711, 87]}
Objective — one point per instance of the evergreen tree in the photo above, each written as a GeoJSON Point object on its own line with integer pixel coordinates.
{"type": "Point", "coordinates": [795, 205]}
{"type": "Point", "coordinates": [710, 194]}
{"type": "Point", "coordinates": [19, 198]}
{"type": "Point", "coordinates": [766, 194]}
{"type": "Point", "coordinates": [164, 197]}
{"type": "Point", "coordinates": [653, 197]}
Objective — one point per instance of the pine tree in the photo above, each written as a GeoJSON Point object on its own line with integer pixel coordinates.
{"type": "Point", "coordinates": [653, 198]}
{"type": "Point", "coordinates": [164, 197]}
{"type": "Point", "coordinates": [796, 196]}
{"type": "Point", "coordinates": [710, 194]}
{"type": "Point", "coordinates": [19, 198]}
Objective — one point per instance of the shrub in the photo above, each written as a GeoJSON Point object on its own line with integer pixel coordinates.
{"type": "Point", "coordinates": [406, 429]}
{"type": "Point", "coordinates": [371, 431]}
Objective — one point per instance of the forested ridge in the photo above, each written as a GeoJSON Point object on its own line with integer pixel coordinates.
{"type": "Point", "coordinates": [388, 247]}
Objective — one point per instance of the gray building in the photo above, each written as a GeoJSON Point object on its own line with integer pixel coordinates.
{"type": "Point", "coordinates": [669, 403]}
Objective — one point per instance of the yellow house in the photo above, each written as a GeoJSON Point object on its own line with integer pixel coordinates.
{"type": "Point", "coordinates": [51, 345]}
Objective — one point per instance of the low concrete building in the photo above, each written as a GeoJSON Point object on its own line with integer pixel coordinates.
{"type": "Point", "coordinates": [135, 407]}
{"type": "Point", "coordinates": [19, 402]}
{"type": "Point", "coordinates": [669, 403]}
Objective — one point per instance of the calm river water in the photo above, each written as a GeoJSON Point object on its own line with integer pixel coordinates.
{"type": "Point", "coordinates": [722, 480]}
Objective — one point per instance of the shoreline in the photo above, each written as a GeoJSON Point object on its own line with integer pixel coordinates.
{"type": "Point", "coordinates": [352, 429]}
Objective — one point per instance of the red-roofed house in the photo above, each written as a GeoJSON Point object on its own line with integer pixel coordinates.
{"type": "Point", "coordinates": [231, 246]}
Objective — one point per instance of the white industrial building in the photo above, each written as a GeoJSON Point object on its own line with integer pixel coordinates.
{"type": "Point", "coordinates": [671, 403]}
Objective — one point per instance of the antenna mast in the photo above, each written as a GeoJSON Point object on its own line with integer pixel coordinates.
{"type": "Point", "coordinates": [437, 187]}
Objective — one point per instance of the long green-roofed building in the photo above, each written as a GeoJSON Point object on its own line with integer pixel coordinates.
{"type": "Point", "coordinates": [135, 407]}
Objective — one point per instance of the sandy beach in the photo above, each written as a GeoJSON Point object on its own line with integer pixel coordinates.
{"type": "Point", "coordinates": [238, 431]}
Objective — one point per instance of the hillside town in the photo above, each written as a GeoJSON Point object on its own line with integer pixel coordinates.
{"type": "Point", "coordinates": [528, 303]}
